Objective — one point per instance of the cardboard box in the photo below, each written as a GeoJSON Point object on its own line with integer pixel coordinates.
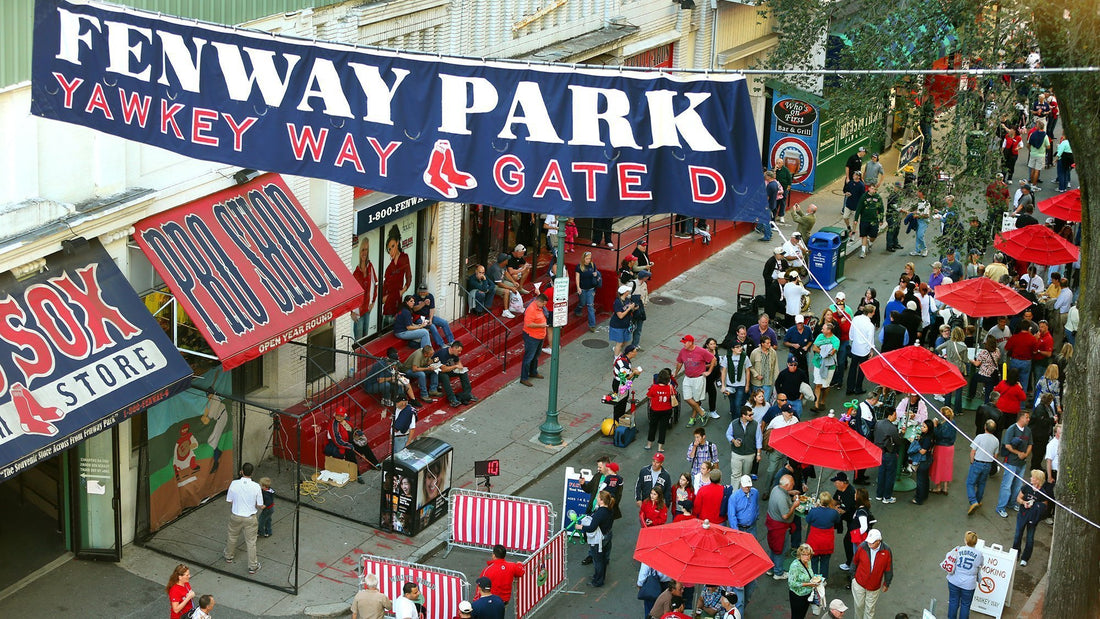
{"type": "Point", "coordinates": [339, 465]}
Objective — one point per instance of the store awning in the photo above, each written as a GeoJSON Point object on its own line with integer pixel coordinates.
{"type": "Point", "coordinates": [79, 352]}
{"type": "Point", "coordinates": [249, 267]}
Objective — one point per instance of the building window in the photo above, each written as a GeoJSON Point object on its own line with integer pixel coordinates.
{"type": "Point", "coordinates": [321, 353]}
{"type": "Point", "coordinates": [248, 377]}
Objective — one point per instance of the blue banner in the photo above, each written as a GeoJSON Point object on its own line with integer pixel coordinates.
{"type": "Point", "coordinates": [582, 142]}
{"type": "Point", "coordinates": [79, 352]}
{"type": "Point", "coordinates": [793, 138]}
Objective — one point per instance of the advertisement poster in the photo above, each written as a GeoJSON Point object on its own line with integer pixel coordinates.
{"type": "Point", "coordinates": [576, 501]}
{"type": "Point", "coordinates": [398, 265]}
{"type": "Point", "coordinates": [793, 138]}
{"type": "Point", "coordinates": [367, 253]}
{"type": "Point", "coordinates": [583, 141]}
{"type": "Point", "coordinates": [190, 449]}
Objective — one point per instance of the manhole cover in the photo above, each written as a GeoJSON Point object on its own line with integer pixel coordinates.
{"type": "Point", "coordinates": [591, 343]}
{"type": "Point", "coordinates": [661, 301]}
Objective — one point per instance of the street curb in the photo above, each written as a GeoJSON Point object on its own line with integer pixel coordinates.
{"type": "Point", "coordinates": [440, 541]}
{"type": "Point", "coordinates": [336, 609]}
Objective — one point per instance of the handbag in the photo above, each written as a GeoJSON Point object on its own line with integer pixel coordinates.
{"type": "Point", "coordinates": [675, 401]}
{"type": "Point", "coordinates": [651, 588]}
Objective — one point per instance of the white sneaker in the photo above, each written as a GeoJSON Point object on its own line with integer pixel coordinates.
{"type": "Point", "coordinates": [713, 415]}
{"type": "Point", "coordinates": [548, 350]}
{"type": "Point", "coordinates": [862, 252]}
{"type": "Point", "coordinates": [844, 567]}
{"type": "Point", "coordinates": [507, 314]}
{"type": "Point", "coordinates": [1023, 563]}
{"type": "Point", "coordinates": [782, 220]}
{"type": "Point", "coordinates": [815, 609]}
{"type": "Point", "coordinates": [890, 500]}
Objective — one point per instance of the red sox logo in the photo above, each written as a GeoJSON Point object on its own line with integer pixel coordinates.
{"type": "Point", "coordinates": [442, 175]}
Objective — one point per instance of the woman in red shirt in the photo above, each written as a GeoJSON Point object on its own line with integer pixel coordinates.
{"type": "Point", "coordinates": [1010, 150]}
{"type": "Point", "coordinates": [181, 598]}
{"type": "Point", "coordinates": [366, 277]}
{"type": "Point", "coordinates": [1011, 395]}
{"type": "Point", "coordinates": [682, 491]}
{"type": "Point", "coordinates": [653, 509]}
{"type": "Point", "coordinates": [660, 408]}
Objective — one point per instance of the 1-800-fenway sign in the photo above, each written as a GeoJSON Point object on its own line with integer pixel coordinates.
{"type": "Point", "coordinates": [550, 139]}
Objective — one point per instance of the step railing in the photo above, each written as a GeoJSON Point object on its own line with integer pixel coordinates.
{"type": "Point", "coordinates": [489, 331]}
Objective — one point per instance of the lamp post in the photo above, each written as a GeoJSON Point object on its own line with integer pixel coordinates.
{"type": "Point", "coordinates": [550, 430]}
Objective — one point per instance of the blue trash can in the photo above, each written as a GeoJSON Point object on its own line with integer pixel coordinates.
{"type": "Point", "coordinates": [824, 248]}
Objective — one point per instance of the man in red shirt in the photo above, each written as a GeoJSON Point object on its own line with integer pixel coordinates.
{"type": "Point", "coordinates": [1021, 348]}
{"type": "Point", "coordinates": [1044, 349]}
{"type": "Point", "coordinates": [502, 573]}
{"type": "Point", "coordinates": [708, 500]}
{"type": "Point", "coordinates": [534, 331]}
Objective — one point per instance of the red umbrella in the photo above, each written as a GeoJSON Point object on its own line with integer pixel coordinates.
{"type": "Point", "coordinates": [828, 442]}
{"type": "Point", "coordinates": [1038, 244]}
{"type": "Point", "coordinates": [913, 369]}
{"type": "Point", "coordinates": [696, 551]}
{"type": "Point", "coordinates": [1065, 206]}
{"type": "Point", "coordinates": [981, 297]}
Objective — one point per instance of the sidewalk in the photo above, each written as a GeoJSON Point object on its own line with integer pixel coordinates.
{"type": "Point", "coordinates": [502, 426]}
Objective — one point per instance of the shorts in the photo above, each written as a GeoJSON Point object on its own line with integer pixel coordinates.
{"type": "Point", "coordinates": [619, 335]}
{"type": "Point", "coordinates": [823, 376]}
{"type": "Point", "coordinates": [868, 230]}
{"type": "Point", "coordinates": [1036, 162]}
{"type": "Point", "coordinates": [694, 388]}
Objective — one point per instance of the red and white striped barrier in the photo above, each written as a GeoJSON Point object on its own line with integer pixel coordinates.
{"type": "Point", "coordinates": [545, 574]}
{"type": "Point", "coordinates": [440, 590]}
{"type": "Point", "coordinates": [479, 520]}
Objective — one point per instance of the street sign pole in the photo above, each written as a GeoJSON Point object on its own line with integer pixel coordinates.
{"type": "Point", "coordinates": [550, 430]}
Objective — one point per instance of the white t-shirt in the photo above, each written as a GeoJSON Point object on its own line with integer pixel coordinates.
{"type": "Point", "coordinates": [404, 608]}
{"type": "Point", "coordinates": [792, 253]}
{"type": "Point", "coordinates": [1053, 446]}
{"type": "Point", "coordinates": [861, 336]}
{"type": "Point", "coordinates": [793, 293]}
{"type": "Point", "coordinates": [734, 379]}
{"type": "Point", "coordinates": [551, 221]}
{"type": "Point", "coordinates": [246, 497]}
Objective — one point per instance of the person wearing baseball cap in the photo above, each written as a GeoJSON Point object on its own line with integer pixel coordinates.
{"type": "Point", "coordinates": [744, 505]}
{"type": "Point", "coordinates": [465, 609]}
{"type": "Point", "coordinates": [837, 608]}
{"type": "Point", "coordinates": [871, 577]}
{"type": "Point", "coordinates": [487, 604]}
{"type": "Point", "coordinates": [651, 477]}
{"type": "Point", "coordinates": [518, 268]}
{"type": "Point", "coordinates": [695, 361]}
{"type": "Point", "coordinates": [622, 315]}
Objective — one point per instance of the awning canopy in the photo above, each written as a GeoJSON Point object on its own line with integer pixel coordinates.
{"type": "Point", "coordinates": [249, 267]}
{"type": "Point", "coordinates": [79, 352]}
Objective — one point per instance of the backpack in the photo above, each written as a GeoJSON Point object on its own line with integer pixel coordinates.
{"type": "Point", "coordinates": [1038, 139]}
{"type": "Point", "coordinates": [723, 509]}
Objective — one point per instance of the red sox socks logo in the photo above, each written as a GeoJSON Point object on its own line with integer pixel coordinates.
{"type": "Point", "coordinates": [33, 417]}
{"type": "Point", "coordinates": [441, 173]}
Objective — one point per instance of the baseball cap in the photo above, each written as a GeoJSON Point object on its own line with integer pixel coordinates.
{"type": "Point", "coordinates": [502, 257]}
{"type": "Point", "coordinates": [792, 359]}
{"type": "Point", "coordinates": [786, 408]}
{"type": "Point", "coordinates": [658, 457]}
{"type": "Point", "coordinates": [911, 305]}
{"type": "Point", "coordinates": [746, 481]}
{"type": "Point", "coordinates": [687, 504]}
{"type": "Point", "coordinates": [520, 247]}
{"type": "Point", "coordinates": [421, 286]}
{"type": "Point", "coordinates": [838, 605]}
{"type": "Point", "coordinates": [613, 467]}
{"type": "Point", "coordinates": [687, 338]}
{"type": "Point", "coordinates": [841, 476]}
{"type": "Point", "coordinates": [629, 349]}
{"type": "Point", "coordinates": [792, 275]}
{"type": "Point", "coordinates": [796, 235]}
{"type": "Point", "coordinates": [841, 295]}
{"type": "Point", "coordinates": [631, 258]}
{"type": "Point", "coordinates": [874, 536]}
{"type": "Point", "coordinates": [484, 583]}
{"type": "Point", "coordinates": [624, 288]}
{"type": "Point", "coordinates": [1000, 175]}
{"type": "Point", "coordinates": [862, 149]}
{"type": "Point", "coordinates": [778, 250]}
{"type": "Point", "coordinates": [800, 319]}
{"type": "Point", "coordinates": [466, 607]}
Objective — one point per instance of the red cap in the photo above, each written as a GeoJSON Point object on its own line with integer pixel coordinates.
{"type": "Point", "coordinates": [687, 338]}
{"type": "Point", "coordinates": [341, 411]}
{"type": "Point", "coordinates": [658, 457]}
{"type": "Point", "coordinates": [613, 467]}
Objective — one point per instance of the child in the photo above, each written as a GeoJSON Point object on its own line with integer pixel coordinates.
{"type": "Point", "coordinates": [571, 233]}
{"type": "Point", "coordinates": [269, 507]}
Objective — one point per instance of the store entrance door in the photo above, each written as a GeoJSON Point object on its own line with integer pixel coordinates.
{"type": "Point", "coordinates": [96, 498]}
{"type": "Point", "coordinates": [35, 512]}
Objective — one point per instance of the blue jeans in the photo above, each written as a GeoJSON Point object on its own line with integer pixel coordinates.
{"type": "Point", "coordinates": [587, 299]}
{"type": "Point", "coordinates": [887, 475]}
{"type": "Point", "coordinates": [531, 349]}
{"type": "Point", "coordinates": [820, 564]}
{"type": "Point", "coordinates": [480, 301]}
{"type": "Point", "coordinates": [1021, 525]}
{"type": "Point", "coordinates": [767, 389]}
{"type": "Point", "coordinates": [842, 365]}
{"type": "Point", "coordinates": [636, 335]}
{"type": "Point", "coordinates": [958, 602]}
{"type": "Point", "coordinates": [1063, 174]}
{"type": "Point", "coordinates": [1010, 485]}
{"type": "Point", "coordinates": [439, 324]}
{"type": "Point", "coordinates": [599, 560]}
{"type": "Point", "coordinates": [410, 335]}
{"type": "Point", "coordinates": [922, 226]}
{"type": "Point", "coordinates": [448, 390]}
{"type": "Point", "coordinates": [766, 228]}
{"type": "Point", "coordinates": [743, 595]}
{"type": "Point", "coordinates": [423, 380]}
{"type": "Point", "coordinates": [779, 560]}
{"type": "Point", "coordinates": [1071, 336]}
{"type": "Point", "coordinates": [975, 481]}
{"type": "Point", "coordinates": [264, 521]}
{"type": "Point", "coordinates": [1024, 366]}
{"type": "Point", "coordinates": [737, 400]}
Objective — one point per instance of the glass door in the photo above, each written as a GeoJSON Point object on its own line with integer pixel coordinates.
{"type": "Point", "coordinates": [97, 518]}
